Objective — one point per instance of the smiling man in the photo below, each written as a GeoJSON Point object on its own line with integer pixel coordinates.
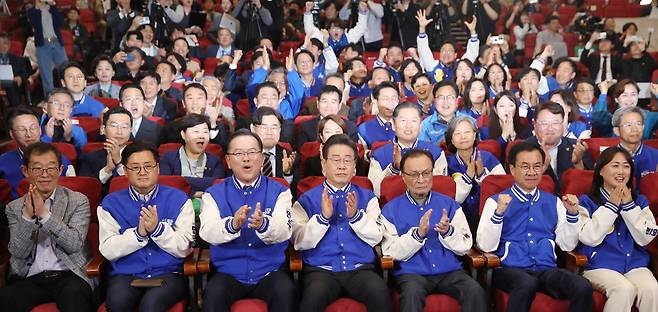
{"type": "Point", "coordinates": [132, 98]}
{"type": "Point", "coordinates": [386, 97]}
{"type": "Point", "coordinates": [56, 123]}
{"type": "Point", "coordinates": [434, 127]}
{"type": "Point", "coordinates": [628, 123]}
{"type": "Point", "coordinates": [329, 103]}
{"type": "Point", "coordinates": [48, 229]}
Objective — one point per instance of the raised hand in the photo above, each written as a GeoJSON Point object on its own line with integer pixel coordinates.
{"type": "Point", "coordinates": [397, 157]}
{"type": "Point", "coordinates": [240, 217]}
{"type": "Point", "coordinates": [503, 203]}
{"type": "Point", "coordinates": [424, 223]}
{"type": "Point", "coordinates": [616, 195]}
{"type": "Point", "coordinates": [579, 150]}
{"type": "Point", "coordinates": [470, 167]}
{"type": "Point", "coordinates": [290, 61]}
{"type": "Point", "coordinates": [626, 195]}
{"type": "Point", "coordinates": [382, 54]}
{"type": "Point", "coordinates": [422, 20]}
{"type": "Point", "coordinates": [266, 59]}
{"type": "Point", "coordinates": [604, 86]}
{"type": "Point", "coordinates": [50, 127]}
{"type": "Point", "coordinates": [327, 204]}
{"type": "Point", "coordinates": [256, 219]}
{"type": "Point", "coordinates": [363, 6]}
{"type": "Point", "coordinates": [288, 161]}
{"type": "Point", "coordinates": [444, 225]}
{"type": "Point", "coordinates": [472, 25]}
{"type": "Point", "coordinates": [549, 51]}
{"type": "Point", "coordinates": [237, 55]}
{"type": "Point", "coordinates": [325, 35]}
{"type": "Point", "coordinates": [308, 6]}
{"type": "Point", "coordinates": [351, 204]}
{"type": "Point", "coordinates": [570, 202]}
{"type": "Point", "coordinates": [67, 124]}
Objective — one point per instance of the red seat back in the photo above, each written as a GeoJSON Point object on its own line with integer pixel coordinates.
{"type": "Point", "coordinates": [648, 189]}
{"type": "Point", "coordinates": [652, 142]}
{"type": "Point", "coordinates": [91, 125]}
{"type": "Point", "coordinates": [92, 147]}
{"type": "Point", "coordinates": [158, 120]}
{"type": "Point", "coordinates": [168, 147]}
{"type": "Point", "coordinates": [108, 102]}
{"type": "Point", "coordinates": [308, 150]}
{"type": "Point", "coordinates": [509, 147]}
{"type": "Point", "coordinates": [494, 184]}
{"type": "Point", "coordinates": [393, 186]}
{"type": "Point", "coordinates": [178, 182]}
{"type": "Point", "coordinates": [363, 118]}
{"type": "Point", "coordinates": [378, 144]}
{"type": "Point", "coordinates": [492, 147]}
{"type": "Point", "coordinates": [242, 108]}
{"type": "Point", "coordinates": [5, 191]}
{"type": "Point", "coordinates": [596, 145]}
{"type": "Point", "coordinates": [67, 150]}
{"type": "Point", "coordinates": [310, 182]}
{"type": "Point", "coordinates": [576, 182]}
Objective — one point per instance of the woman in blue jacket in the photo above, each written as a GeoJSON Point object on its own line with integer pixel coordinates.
{"type": "Point", "coordinates": [617, 227]}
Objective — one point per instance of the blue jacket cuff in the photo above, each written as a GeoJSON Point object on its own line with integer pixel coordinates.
{"type": "Point", "coordinates": [612, 207]}
{"type": "Point", "coordinates": [158, 230]}
{"type": "Point", "coordinates": [140, 238]}
{"type": "Point", "coordinates": [628, 206]}
{"type": "Point", "coordinates": [451, 229]}
{"type": "Point", "coordinates": [357, 216]}
{"type": "Point", "coordinates": [229, 226]}
{"type": "Point", "coordinates": [572, 218]}
{"type": "Point", "coordinates": [417, 237]}
{"type": "Point", "coordinates": [322, 220]}
{"type": "Point", "coordinates": [496, 218]}
{"type": "Point", "coordinates": [263, 227]}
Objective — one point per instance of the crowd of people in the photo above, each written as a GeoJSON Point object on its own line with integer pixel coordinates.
{"type": "Point", "coordinates": [264, 96]}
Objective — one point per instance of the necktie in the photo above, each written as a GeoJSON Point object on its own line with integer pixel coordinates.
{"type": "Point", "coordinates": [267, 165]}
{"type": "Point", "coordinates": [133, 132]}
{"type": "Point", "coordinates": [604, 69]}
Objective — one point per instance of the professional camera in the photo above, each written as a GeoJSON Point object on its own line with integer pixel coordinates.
{"type": "Point", "coordinates": [588, 24]}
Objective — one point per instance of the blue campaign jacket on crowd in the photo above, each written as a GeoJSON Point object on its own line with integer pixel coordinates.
{"type": "Point", "coordinates": [87, 106]}
{"type": "Point", "coordinates": [247, 259]}
{"type": "Point", "coordinates": [10, 169]}
{"type": "Point", "coordinates": [645, 160]}
{"type": "Point", "coordinates": [151, 260]}
{"type": "Point", "coordinates": [384, 154]}
{"type": "Point", "coordinates": [617, 250]}
{"type": "Point", "coordinates": [433, 257]}
{"type": "Point", "coordinates": [340, 249]}
{"type": "Point", "coordinates": [290, 104]}
{"type": "Point", "coordinates": [78, 135]}
{"type": "Point", "coordinates": [456, 166]}
{"type": "Point", "coordinates": [433, 128]}
{"type": "Point", "coordinates": [375, 130]}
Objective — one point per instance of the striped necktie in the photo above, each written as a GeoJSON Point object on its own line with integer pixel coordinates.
{"type": "Point", "coordinates": [267, 165]}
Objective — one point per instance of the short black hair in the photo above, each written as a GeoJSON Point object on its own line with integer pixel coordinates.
{"type": "Point", "coordinates": [404, 105]}
{"type": "Point", "coordinates": [136, 33]}
{"type": "Point", "coordinates": [195, 85]}
{"type": "Point", "coordinates": [331, 89]}
{"type": "Point", "coordinates": [100, 58]}
{"type": "Point", "coordinates": [413, 153]}
{"type": "Point", "coordinates": [116, 110]}
{"type": "Point", "coordinates": [40, 148]}
{"type": "Point", "coordinates": [60, 91]}
{"type": "Point", "coordinates": [263, 111]}
{"type": "Point", "coordinates": [267, 84]}
{"type": "Point", "coordinates": [19, 110]}
{"type": "Point", "coordinates": [243, 132]}
{"type": "Point", "coordinates": [420, 76]}
{"type": "Point", "coordinates": [192, 120]}
{"type": "Point", "coordinates": [566, 59]}
{"type": "Point", "coordinates": [70, 65]}
{"type": "Point", "coordinates": [584, 80]}
{"type": "Point", "coordinates": [180, 59]}
{"type": "Point", "coordinates": [445, 83]}
{"type": "Point", "coordinates": [172, 67]}
{"type": "Point", "coordinates": [307, 52]}
{"type": "Point", "coordinates": [386, 84]}
{"type": "Point", "coordinates": [131, 85]}
{"type": "Point", "coordinates": [526, 71]}
{"type": "Point", "coordinates": [149, 73]}
{"type": "Point", "coordinates": [339, 139]}
{"type": "Point", "coordinates": [554, 108]}
{"type": "Point", "coordinates": [523, 147]}
{"type": "Point", "coordinates": [136, 147]}
{"type": "Point", "coordinates": [350, 64]}
{"type": "Point", "coordinates": [317, 43]}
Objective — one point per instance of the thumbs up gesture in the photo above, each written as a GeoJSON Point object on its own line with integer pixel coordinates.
{"type": "Point", "coordinates": [444, 225]}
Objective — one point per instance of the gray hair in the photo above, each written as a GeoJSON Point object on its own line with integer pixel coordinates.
{"type": "Point", "coordinates": [619, 113]}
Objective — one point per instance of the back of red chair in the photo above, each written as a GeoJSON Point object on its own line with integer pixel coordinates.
{"type": "Point", "coordinates": [88, 186]}
{"type": "Point", "coordinates": [299, 120]}
{"type": "Point", "coordinates": [377, 144]}
{"type": "Point", "coordinates": [5, 191]}
{"type": "Point", "coordinates": [91, 125]}
{"type": "Point", "coordinates": [492, 147]}
{"type": "Point", "coordinates": [67, 150]}
{"type": "Point", "coordinates": [648, 189]}
{"type": "Point", "coordinates": [651, 142]}
{"type": "Point", "coordinates": [120, 183]}
{"type": "Point", "coordinates": [158, 120]}
{"type": "Point", "coordinates": [168, 147]}
{"type": "Point", "coordinates": [10, 146]}
{"type": "Point", "coordinates": [494, 184]}
{"type": "Point", "coordinates": [242, 108]}
{"type": "Point", "coordinates": [92, 147]}
{"type": "Point", "coordinates": [308, 150]}
{"type": "Point", "coordinates": [108, 102]}
{"type": "Point", "coordinates": [310, 182]}
{"type": "Point", "coordinates": [286, 146]}
{"type": "Point", "coordinates": [576, 182]}
{"type": "Point", "coordinates": [363, 118]}
{"type": "Point", "coordinates": [597, 145]}
{"type": "Point", "coordinates": [277, 179]}
{"type": "Point", "coordinates": [215, 149]}
{"type": "Point", "coordinates": [509, 147]}
{"type": "Point", "coordinates": [393, 186]}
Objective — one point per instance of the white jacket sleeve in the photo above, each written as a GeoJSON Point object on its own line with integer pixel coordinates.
{"type": "Point", "coordinates": [400, 248]}
{"type": "Point", "coordinates": [177, 240]}
{"type": "Point", "coordinates": [496, 170]}
{"type": "Point", "coordinates": [596, 227]}
{"type": "Point", "coordinates": [488, 234]}
{"type": "Point", "coordinates": [330, 60]}
{"type": "Point", "coordinates": [440, 165]}
{"type": "Point", "coordinates": [365, 223]}
{"type": "Point", "coordinates": [376, 175]}
{"type": "Point", "coordinates": [278, 226]}
{"type": "Point", "coordinates": [458, 238]}
{"type": "Point", "coordinates": [113, 244]}
{"type": "Point", "coordinates": [568, 228]}
{"type": "Point", "coordinates": [464, 186]}
{"type": "Point", "coordinates": [306, 232]}
{"type": "Point", "coordinates": [355, 34]}
{"type": "Point", "coordinates": [641, 224]}
{"type": "Point", "coordinates": [539, 65]}
{"type": "Point", "coordinates": [472, 49]}
{"type": "Point", "coordinates": [426, 58]}
{"type": "Point", "coordinates": [310, 28]}
{"type": "Point", "coordinates": [214, 228]}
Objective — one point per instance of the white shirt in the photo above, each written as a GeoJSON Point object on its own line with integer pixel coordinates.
{"type": "Point", "coordinates": [45, 258]}
{"type": "Point", "coordinates": [104, 176]}
{"type": "Point", "coordinates": [136, 124]}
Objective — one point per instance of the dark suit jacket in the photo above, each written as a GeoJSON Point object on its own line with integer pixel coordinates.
{"type": "Point", "coordinates": [170, 164]}
{"type": "Point", "coordinates": [165, 109]}
{"type": "Point", "coordinates": [92, 163]}
{"type": "Point", "coordinates": [287, 129]}
{"type": "Point", "coordinates": [308, 131]}
{"type": "Point", "coordinates": [211, 51]}
{"type": "Point", "coordinates": [593, 63]}
{"type": "Point", "coordinates": [564, 151]}
{"type": "Point", "coordinates": [149, 131]}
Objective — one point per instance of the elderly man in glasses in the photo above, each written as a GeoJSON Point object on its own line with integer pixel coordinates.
{"type": "Point", "coordinates": [146, 231]}
{"type": "Point", "coordinates": [628, 124]}
{"type": "Point", "coordinates": [47, 230]}
{"type": "Point", "coordinates": [336, 229]}
{"type": "Point", "coordinates": [104, 164]}
{"type": "Point", "coordinates": [246, 220]}
{"type": "Point", "coordinates": [56, 123]}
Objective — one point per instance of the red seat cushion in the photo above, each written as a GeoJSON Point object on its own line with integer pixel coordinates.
{"type": "Point", "coordinates": [249, 305]}
{"type": "Point", "coordinates": [433, 303]}
{"type": "Point", "coordinates": [346, 305]}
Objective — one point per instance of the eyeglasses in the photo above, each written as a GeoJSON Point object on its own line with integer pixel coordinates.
{"type": "Point", "coordinates": [271, 128]}
{"type": "Point", "coordinates": [445, 98]}
{"type": "Point", "coordinates": [546, 125]}
{"type": "Point", "coordinates": [148, 168]}
{"type": "Point", "coordinates": [337, 161]}
{"type": "Point", "coordinates": [132, 99]}
{"type": "Point", "coordinates": [24, 131]}
{"type": "Point", "coordinates": [242, 154]}
{"type": "Point", "coordinates": [525, 169]}
{"type": "Point", "coordinates": [629, 124]}
{"type": "Point", "coordinates": [417, 175]}
{"type": "Point", "coordinates": [585, 91]}
{"type": "Point", "coordinates": [75, 77]}
{"type": "Point", "coordinates": [38, 171]}
{"type": "Point", "coordinates": [60, 105]}
{"type": "Point", "coordinates": [117, 126]}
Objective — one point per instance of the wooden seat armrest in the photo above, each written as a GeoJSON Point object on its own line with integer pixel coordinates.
{"type": "Point", "coordinates": [94, 267]}
{"type": "Point", "coordinates": [386, 262]}
{"type": "Point", "coordinates": [296, 263]}
{"type": "Point", "coordinates": [574, 260]}
{"type": "Point", "coordinates": [203, 264]}
{"type": "Point", "coordinates": [189, 266]}
{"type": "Point", "coordinates": [475, 259]}
{"type": "Point", "coordinates": [491, 259]}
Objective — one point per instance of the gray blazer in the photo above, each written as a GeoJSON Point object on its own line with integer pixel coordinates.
{"type": "Point", "coordinates": [67, 227]}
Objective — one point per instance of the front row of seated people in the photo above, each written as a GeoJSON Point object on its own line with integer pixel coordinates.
{"type": "Point", "coordinates": [146, 231]}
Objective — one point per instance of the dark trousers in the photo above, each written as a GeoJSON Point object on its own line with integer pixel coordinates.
{"type": "Point", "coordinates": [222, 290]}
{"type": "Point", "coordinates": [322, 287]}
{"type": "Point", "coordinates": [67, 290]}
{"type": "Point", "coordinates": [373, 46]}
{"type": "Point", "coordinates": [522, 285]}
{"type": "Point", "coordinates": [13, 92]}
{"type": "Point", "coordinates": [123, 297]}
{"type": "Point", "coordinates": [456, 284]}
